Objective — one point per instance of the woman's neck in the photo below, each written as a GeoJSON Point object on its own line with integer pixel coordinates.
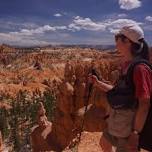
{"type": "Point", "coordinates": [127, 54]}
{"type": "Point", "coordinates": [127, 58]}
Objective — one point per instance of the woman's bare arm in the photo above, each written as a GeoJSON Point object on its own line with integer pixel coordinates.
{"type": "Point", "coordinates": [141, 115]}
{"type": "Point", "coordinates": [100, 84]}
{"type": "Point", "coordinates": [103, 86]}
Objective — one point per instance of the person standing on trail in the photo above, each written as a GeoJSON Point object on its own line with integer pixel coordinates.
{"type": "Point", "coordinates": [130, 116]}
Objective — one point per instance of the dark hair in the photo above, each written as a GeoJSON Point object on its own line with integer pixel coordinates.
{"type": "Point", "coordinates": [136, 49]}
{"type": "Point", "coordinates": [143, 52]}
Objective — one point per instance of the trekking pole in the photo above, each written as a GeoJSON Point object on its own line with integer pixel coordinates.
{"type": "Point", "coordinates": [93, 72]}
{"type": "Point", "coordinates": [88, 90]}
{"type": "Point", "coordinates": [78, 138]}
{"type": "Point", "coordinates": [88, 94]}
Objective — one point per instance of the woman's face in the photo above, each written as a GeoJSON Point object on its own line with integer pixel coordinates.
{"type": "Point", "coordinates": [123, 46]}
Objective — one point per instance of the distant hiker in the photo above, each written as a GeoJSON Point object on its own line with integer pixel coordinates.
{"type": "Point", "coordinates": [130, 117]}
{"type": "Point", "coordinates": [37, 65]}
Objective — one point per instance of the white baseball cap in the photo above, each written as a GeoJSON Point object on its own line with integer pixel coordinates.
{"type": "Point", "coordinates": [133, 32]}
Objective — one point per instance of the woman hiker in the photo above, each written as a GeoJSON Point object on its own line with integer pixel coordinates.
{"type": "Point", "coordinates": [131, 94]}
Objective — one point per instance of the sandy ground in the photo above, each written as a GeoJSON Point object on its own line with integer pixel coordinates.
{"type": "Point", "coordinates": [90, 143]}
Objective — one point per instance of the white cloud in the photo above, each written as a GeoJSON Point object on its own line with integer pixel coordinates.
{"type": "Point", "coordinates": [8, 37]}
{"type": "Point", "coordinates": [60, 27]}
{"type": "Point", "coordinates": [86, 24]}
{"type": "Point", "coordinates": [58, 15]}
{"type": "Point", "coordinates": [43, 29]}
{"type": "Point", "coordinates": [13, 25]}
{"type": "Point", "coordinates": [77, 17]}
{"type": "Point", "coordinates": [12, 39]}
{"type": "Point", "coordinates": [111, 25]}
{"type": "Point", "coordinates": [39, 30]}
{"type": "Point", "coordinates": [148, 18]}
{"type": "Point", "coordinates": [37, 36]}
{"type": "Point", "coordinates": [129, 4]}
{"type": "Point", "coordinates": [29, 37]}
{"type": "Point", "coordinates": [122, 15]}
{"type": "Point", "coordinates": [74, 27]}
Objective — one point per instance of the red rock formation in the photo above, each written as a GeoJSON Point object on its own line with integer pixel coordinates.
{"type": "Point", "coordinates": [6, 107]}
{"type": "Point", "coordinates": [71, 98]}
{"type": "Point", "coordinates": [41, 131]}
{"type": "Point", "coordinates": [1, 142]}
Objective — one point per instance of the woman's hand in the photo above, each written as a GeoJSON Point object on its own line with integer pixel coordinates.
{"type": "Point", "coordinates": [93, 79]}
{"type": "Point", "coordinates": [99, 84]}
{"type": "Point", "coordinates": [133, 142]}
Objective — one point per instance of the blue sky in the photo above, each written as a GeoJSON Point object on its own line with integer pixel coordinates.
{"type": "Point", "coordinates": [43, 22]}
